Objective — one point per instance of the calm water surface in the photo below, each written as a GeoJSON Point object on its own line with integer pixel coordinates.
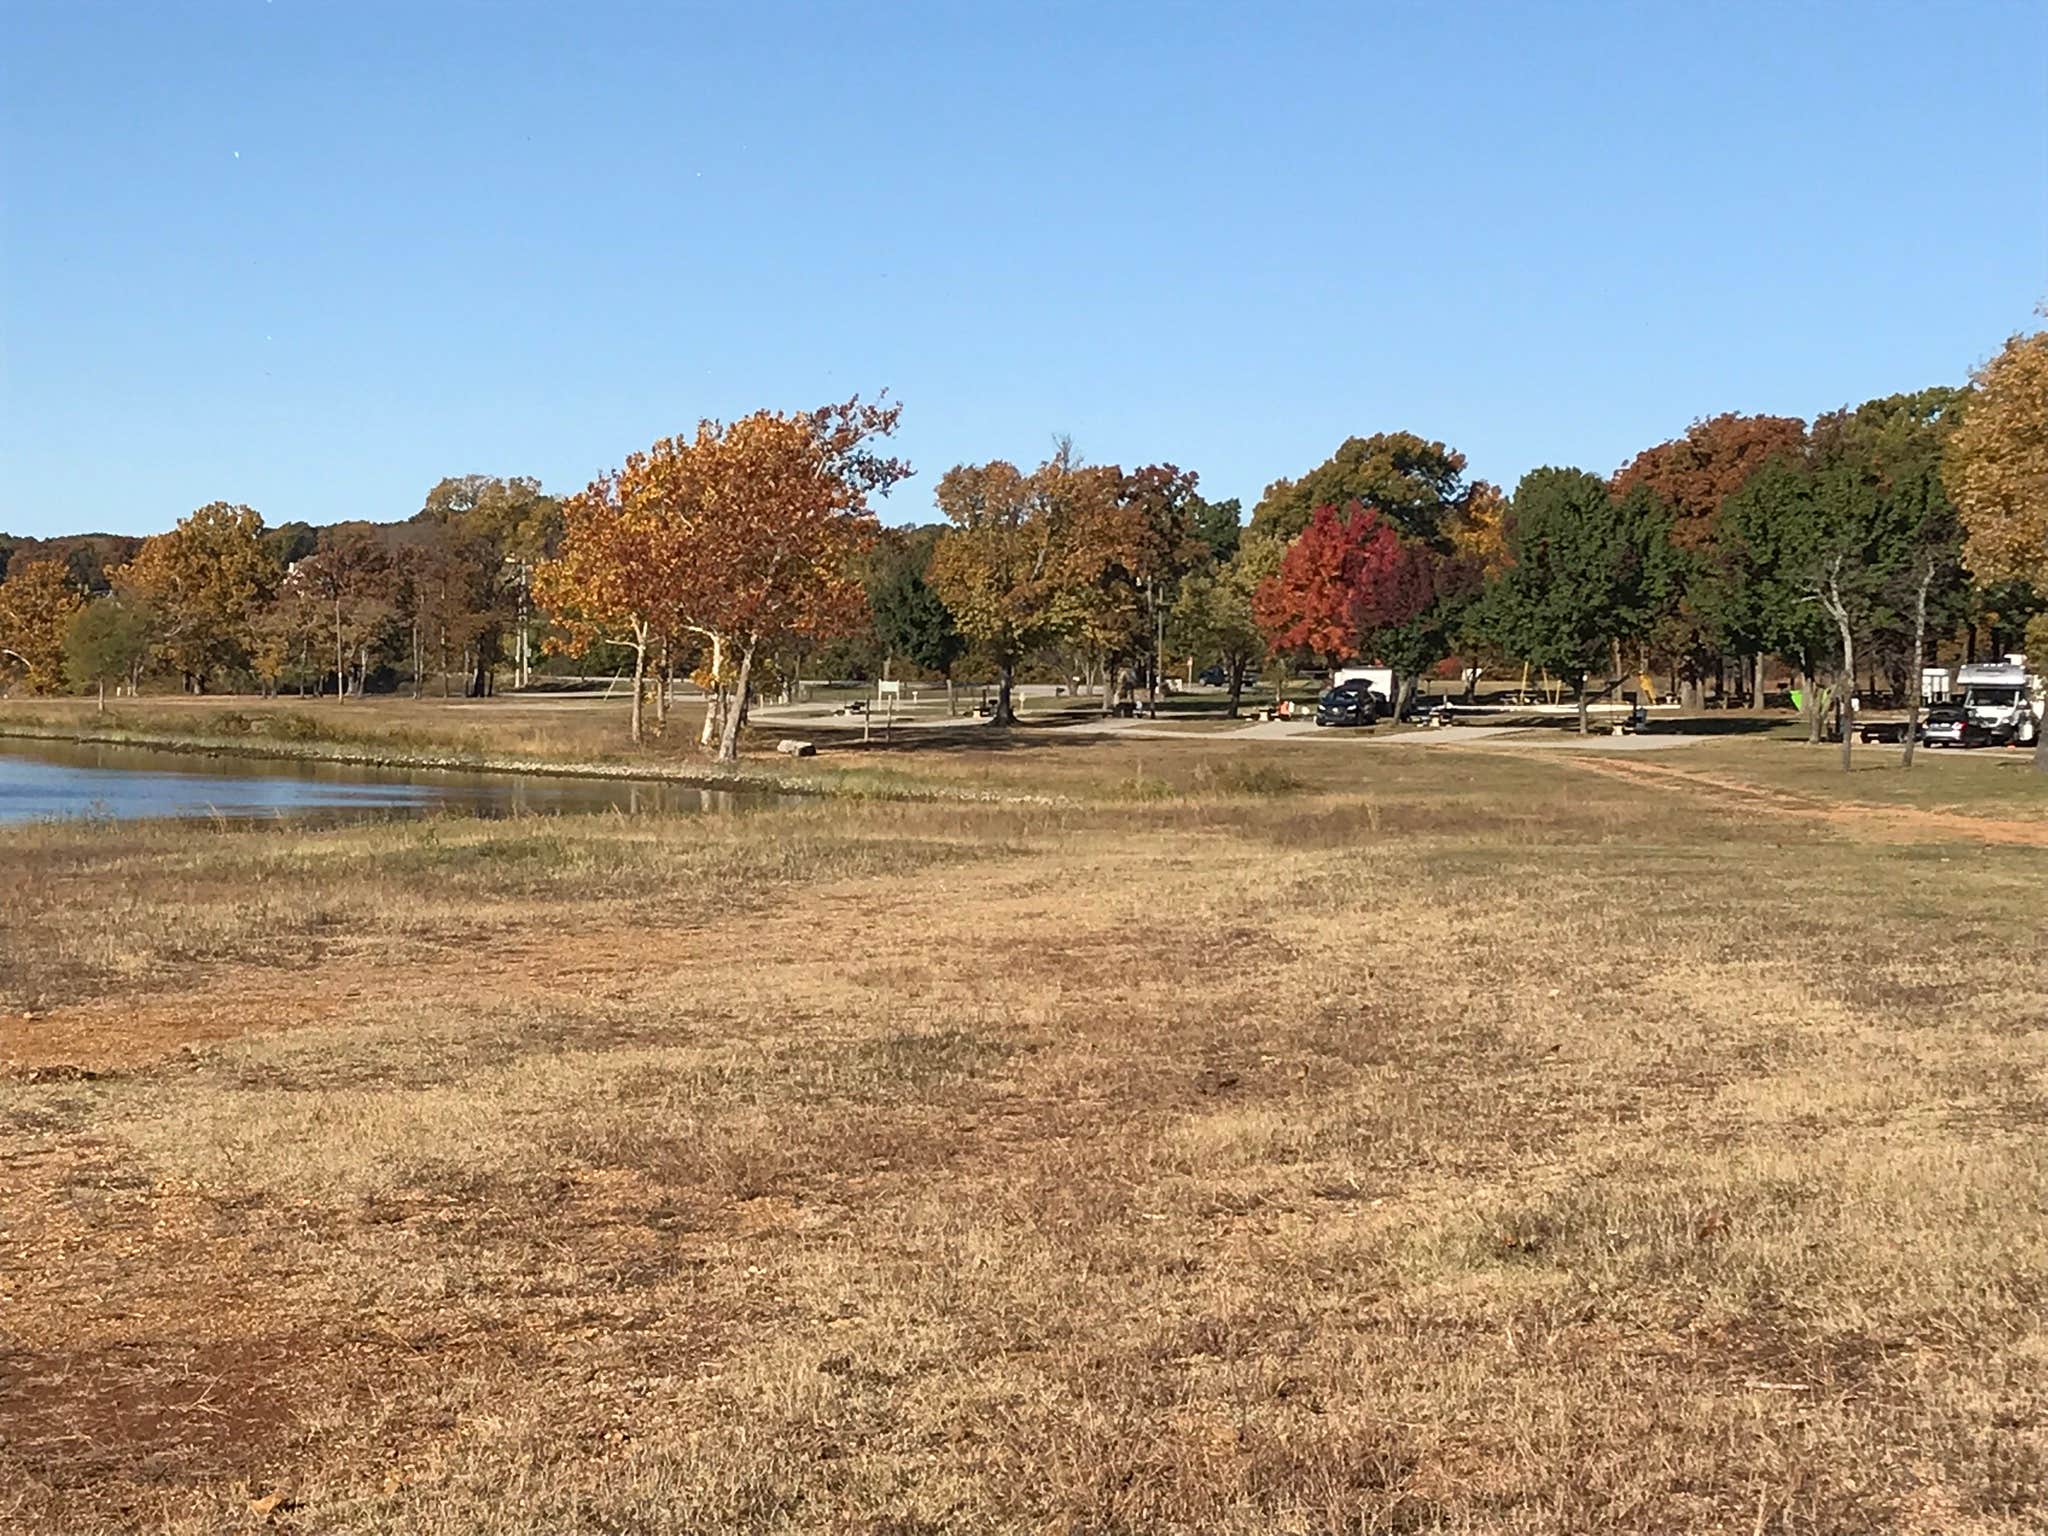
{"type": "Point", "coordinates": [40, 780]}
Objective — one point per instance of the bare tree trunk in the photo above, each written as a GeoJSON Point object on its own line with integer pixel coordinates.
{"type": "Point", "coordinates": [950, 710]}
{"type": "Point", "coordinates": [1404, 693]}
{"type": "Point", "coordinates": [1913, 663]}
{"type": "Point", "coordinates": [1831, 599]}
{"type": "Point", "coordinates": [729, 739]}
{"type": "Point", "coordinates": [1236, 686]}
{"type": "Point", "coordinates": [714, 696]}
{"type": "Point", "coordinates": [340, 654]}
{"type": "Point", "coordinates": [639, 679]}
{"type": "Point", "coordinates": [103, 696]}
{"type": "Point", "coordinates": [1583, 731]}
{"type": "Point", "coordinates": [1756, 687]}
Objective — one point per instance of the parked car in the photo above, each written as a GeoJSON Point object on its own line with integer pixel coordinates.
{"type": "Point", "coordinates": [1352, 704]}
{"type": "Point", "coordinates": [1949, 725]}
{"type": "Point", "coordinates": [1213, 678]}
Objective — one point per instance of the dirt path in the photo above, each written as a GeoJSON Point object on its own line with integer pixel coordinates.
{"type": "Point", "coordinates": [1889, 823]}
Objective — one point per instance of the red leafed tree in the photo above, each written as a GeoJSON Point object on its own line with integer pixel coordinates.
{"type": "Point", "coordinates": [1337, 582]}
{"type": "Point", "coordinates": [1715, 458]}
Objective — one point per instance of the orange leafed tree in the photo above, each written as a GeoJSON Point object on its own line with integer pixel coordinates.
{"type": "Point", "coordinates": [1695, 473]}
{"type": "Point", "coordinates": [617, 575]}
{"type": "Point", "coordinates": [776, 517]}
{"type": "Point", "coordinates": [747, 532]}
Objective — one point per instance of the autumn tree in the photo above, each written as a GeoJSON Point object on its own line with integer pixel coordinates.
{"type": "Point", "coordinates": [1996, 467]}
{"type": "Point", "coordinates": [291, 638]}
{"type": "Point", "coordinates": [1692, 475]}
{"type": "Point", "coordinates": [1475, 532]}
{"type": "Point", "coordinates": [483, 536]}
{"type": "Point", "coordinates": [1695, 473]}
{"type": "Point", "coordinates": [351, 578]}
{"type": "Point", "coordinates": [105, 642]}
{"type": "Point", "coordinates": [1311, 602]}
{"type": "Point", "coordinates": [205, 581]}
{"type": "Point", "coordinates": [776, 517]}
{"type": "Point", "coordinates": [1586, 569]}
{"type": "Point", "coordinates": [1135, 540]}
{"type": "Point", "coordinates": [617, 573]}
{"type": "Point", "coordinates": [454, 602]}
{"type": "Point", "coordinates": [37, 601]}
{"type": "Point", "coordinates": [1161, 504]}
{"type": "Point", "coordinates": [744, 534]}
{"type": "Point", "coordinates": [1418, 485]}
{"type": "Point", "coordinates": [88, 557]}
{"type": "Point", "coordinates": [1004, 569]}
{"type": "Point", "coordinates": [1350, 586]}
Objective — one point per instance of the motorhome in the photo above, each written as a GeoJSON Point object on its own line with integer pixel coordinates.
{"type": "Point", "coordinates": [2004, 698]}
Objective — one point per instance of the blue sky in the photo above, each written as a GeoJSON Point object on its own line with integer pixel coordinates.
{"type": "Point", "coordinates": [315, 256]}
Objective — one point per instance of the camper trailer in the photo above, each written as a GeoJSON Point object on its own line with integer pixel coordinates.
{"type": "Point", "coordinates": [2004, 698]}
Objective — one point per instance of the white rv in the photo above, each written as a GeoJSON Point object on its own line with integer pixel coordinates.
{"type": "Point", "coordinates": [2003, 697]}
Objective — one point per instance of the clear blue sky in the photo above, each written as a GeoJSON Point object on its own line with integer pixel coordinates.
{"type": "Point", "coordinates": [315, 256]}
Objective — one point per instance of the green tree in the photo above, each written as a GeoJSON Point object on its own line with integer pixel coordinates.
{"type": "Point", "coordinates": [1213, 617]}
{"type": "Point", "coordinates": [1887, 530]}
{"type": "Point", "coordinates": [1693, 475]}
{"type": "Point", "coordinates": [1590, 569]}
{"type": "Point", "coordinates": [910, 619]}
{"type": "Point", "coordinates": [105, 642]}
{"type": "Point", "coordinates": [1761, 590]}
{"type": "Point", "coordinates": [1219, 525]}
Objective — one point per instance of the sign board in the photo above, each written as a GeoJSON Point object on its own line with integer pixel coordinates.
{"type": "Point", "coordinates": [890, 688]}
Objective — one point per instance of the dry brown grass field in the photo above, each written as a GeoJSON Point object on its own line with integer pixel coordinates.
{"type": "Point", "coordinates": [1318, 1140]}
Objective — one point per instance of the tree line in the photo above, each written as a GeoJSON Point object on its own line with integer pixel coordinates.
{"type": "Point", "coordinates": [222, 600]}
{"type": "Point", "coordinates": [1834, 552]}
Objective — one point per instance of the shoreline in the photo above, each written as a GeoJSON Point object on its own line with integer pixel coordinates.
{"type": "Point", "coordinates": [369, 756]}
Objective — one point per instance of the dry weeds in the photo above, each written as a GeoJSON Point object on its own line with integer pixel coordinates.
{"type": "Point", "coordinates": [1482, 1144]}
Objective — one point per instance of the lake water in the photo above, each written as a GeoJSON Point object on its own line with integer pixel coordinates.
{"type": "Point", "coordinates": [40, 780]}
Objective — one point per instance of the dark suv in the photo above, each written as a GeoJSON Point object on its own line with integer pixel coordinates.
{"type": "Point", "coordinates": [1352, 704]}
{"type": "Point", "coordinates": [1949, 725]}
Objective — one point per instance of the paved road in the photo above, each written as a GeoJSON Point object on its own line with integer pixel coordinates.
{"type": "Point", "coordinates": [1446, 736]}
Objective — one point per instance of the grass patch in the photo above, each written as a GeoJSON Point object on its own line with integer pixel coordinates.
{"type": "Point", "coordinates": [1331, 1139]}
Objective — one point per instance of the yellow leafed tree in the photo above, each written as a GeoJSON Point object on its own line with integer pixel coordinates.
{"type": "Point", "coordinates": [37, 601]}
{"type": "Point", "coordinates": [1996, 470]}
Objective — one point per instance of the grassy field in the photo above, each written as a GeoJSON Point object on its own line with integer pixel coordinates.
{"type": "Point", "coordinates": [1318, 1139]}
